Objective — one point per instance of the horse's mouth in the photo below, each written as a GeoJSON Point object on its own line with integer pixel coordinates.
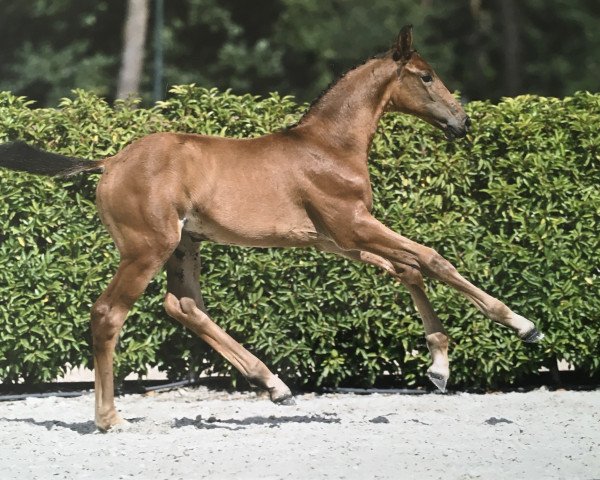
{"type": "Point", "coordinates": [454, 129]}
{"type": "Point", "coordinates": [449, 135]}
{"type": "Point", "coordinates": [452, 132]}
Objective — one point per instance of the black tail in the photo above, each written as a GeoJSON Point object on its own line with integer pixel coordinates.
{"type": "Point", "coordinates": [24, 158]}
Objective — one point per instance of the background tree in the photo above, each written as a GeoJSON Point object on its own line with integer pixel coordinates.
{"type": "Point", "coordinates": [511, 39]}
{"type": "Point", "coordinates": [134, 39]}
{"type": "Point", "coordinates": [484, 48]}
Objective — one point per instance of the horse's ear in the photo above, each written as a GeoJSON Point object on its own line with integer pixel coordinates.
{"type": "Point", "coordinates": [403, 47]}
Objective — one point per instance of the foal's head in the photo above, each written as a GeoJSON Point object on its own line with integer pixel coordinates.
{"type": "Point", "coordinates": [420, 92]}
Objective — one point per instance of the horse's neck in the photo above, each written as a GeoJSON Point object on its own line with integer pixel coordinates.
{"type": "Point", "coordinates": [346, 116]}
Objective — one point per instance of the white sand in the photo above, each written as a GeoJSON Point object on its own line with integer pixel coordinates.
{"type": "Point", "coordinates": [197, 433]}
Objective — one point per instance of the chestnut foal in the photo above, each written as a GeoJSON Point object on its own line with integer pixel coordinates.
{"type": "Point", "coordinates": [306, 186]}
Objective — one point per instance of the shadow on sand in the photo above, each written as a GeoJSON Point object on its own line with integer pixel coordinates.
{"type": "Point", "coordinates": [272, 421]}
{"type": "Point", "coordinates": [83, 428]}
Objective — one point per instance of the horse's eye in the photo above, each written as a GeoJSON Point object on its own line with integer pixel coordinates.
{"type": "Point", "coordinates": [426, 78]}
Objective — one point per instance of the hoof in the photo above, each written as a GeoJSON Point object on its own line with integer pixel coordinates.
{"type": "Point", "coordinates": [532, 336]}
{"type": "Point", "coordinates": [107, 423]}
{"type": "Point", "coordinates": [438, 380]}
{"type": "Point", "coordinates": [279, 392]}
{"type": "Point", "coordinates": [287, 400]}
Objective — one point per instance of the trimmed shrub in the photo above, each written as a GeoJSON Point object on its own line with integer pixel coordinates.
{"type": "Point", "coordinates": [516, 208]}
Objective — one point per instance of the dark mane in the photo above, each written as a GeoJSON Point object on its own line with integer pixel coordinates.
{"type": "Point", "coordinates": [332, 84]}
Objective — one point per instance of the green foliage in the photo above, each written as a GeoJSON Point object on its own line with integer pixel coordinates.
{"type": "Point", "coordinates": [516, 208]}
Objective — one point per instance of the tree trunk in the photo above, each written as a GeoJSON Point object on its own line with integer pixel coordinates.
{"type": "Point", "coordinates": [476, 41]}
{"type": "Point", "coordinates": [509, 14]}
{"type": "Point", "coordinates": [134, 39]}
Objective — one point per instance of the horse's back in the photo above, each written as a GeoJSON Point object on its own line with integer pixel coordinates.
{"type": "Point", "coordinates": [225, 190]}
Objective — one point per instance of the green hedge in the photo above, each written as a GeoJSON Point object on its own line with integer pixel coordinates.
{"type": "Point", "coordinates": [516, 208]}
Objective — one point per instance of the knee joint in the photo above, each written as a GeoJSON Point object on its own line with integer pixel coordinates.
{"type": "Point", "coordinates": [106, 322]}
{"type": "Point", "coordinates": [190, 309]}
{"type": "Point", "coordinates": [437, 264]}
{"type": "Point", "coordinates": [411, 276]}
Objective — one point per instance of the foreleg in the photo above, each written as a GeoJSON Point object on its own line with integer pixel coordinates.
{"type": "Point", "coordinates": [365, 233]}
{"type": "Point", "coordinates": [435, 334]}
{"type": "Point", "coordinates": [184, 303]}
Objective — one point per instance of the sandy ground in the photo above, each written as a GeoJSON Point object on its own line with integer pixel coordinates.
{"type": "Point", "coordinates": [197, 433]}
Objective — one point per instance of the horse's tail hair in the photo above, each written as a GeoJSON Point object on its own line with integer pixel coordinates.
{"type": "Point", "coordinates": [25, 158]}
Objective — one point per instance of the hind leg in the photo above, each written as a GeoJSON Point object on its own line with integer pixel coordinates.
{"type": "Point", "coordinates": [184, 303]}
{"type": "Point", "coordinates": [108, 315]}
{"type": "Point", "coordinates": [144, 251]}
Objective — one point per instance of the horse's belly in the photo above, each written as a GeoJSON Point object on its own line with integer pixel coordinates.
{"type": "Point", "coordinates": [251, 230]}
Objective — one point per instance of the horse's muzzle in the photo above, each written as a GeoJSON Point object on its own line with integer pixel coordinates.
{"type": "Point", "coordinates": [457, 129]}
